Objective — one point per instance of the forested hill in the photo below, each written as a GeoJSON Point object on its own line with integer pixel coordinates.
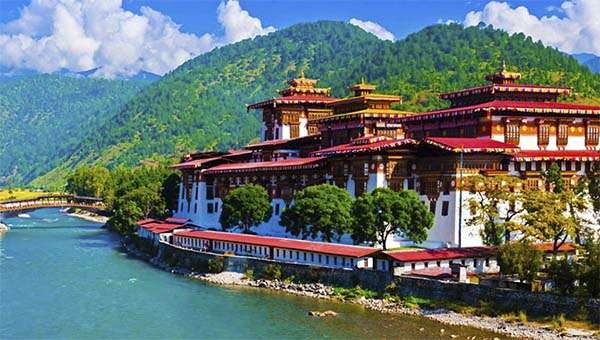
{"type": "Point", "coordinates": [200, 105]}
{"type": "Point", "coordinates": [44, 117]}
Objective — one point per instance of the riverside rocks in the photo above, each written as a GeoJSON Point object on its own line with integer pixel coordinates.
{"type": "Point", "coordinates": [322, 314]}
{"type": "Point", "coordinates": [321, 291]}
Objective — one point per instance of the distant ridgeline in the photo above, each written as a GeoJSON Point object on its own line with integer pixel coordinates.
{"type": "Point", "coordinates": [43, 117]}
{"type": "Point", "coordinates": [201, 104]}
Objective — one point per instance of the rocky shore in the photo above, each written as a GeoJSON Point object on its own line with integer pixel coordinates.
{"type": "Point", "coordinates": [3, 227]}
{"type": "Point", "coordinates": [87, 215]}
{"type": "Point", "coordinates": [321, 291]}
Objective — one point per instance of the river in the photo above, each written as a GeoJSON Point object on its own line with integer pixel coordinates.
{"type": "Point", "coordinates": [63, 277]}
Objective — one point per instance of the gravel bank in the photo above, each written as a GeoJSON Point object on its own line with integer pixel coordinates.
{"type": "Point", "coordinates": [321, 291]}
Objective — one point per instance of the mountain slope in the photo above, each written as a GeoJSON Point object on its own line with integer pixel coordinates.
{"type": "Point", "coordinates": [592, 61]}
{"type": "Point", "coordinates": [43, 118]}
{"type": "Point", "coordinates": [200, 105]}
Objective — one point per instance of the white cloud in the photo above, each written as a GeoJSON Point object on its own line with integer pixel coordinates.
{"type": "Point", "coordinates": [373, 27]}
{"type": "Point", "coordinates": [577, 31]}
{"type": "Point", "coordinates": [79, 35]}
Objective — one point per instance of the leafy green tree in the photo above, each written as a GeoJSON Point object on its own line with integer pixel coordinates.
{"type": "Point", "coordinates": [495, 206]}
{"type": "Point", "coordinates": [124, 216]}
{"type": "Point", "coordinates": [319, 210]}
{"type": "Point", "coordinates": [564, 273]}
{"type": "Point", "coordinates": [553, 179]}
{"type": "Point", "coordinates": [520, 259]}
{"type": "Point", "coordinates": [553, 217]}
{"type": "Point", "coordinates": [89, 181]}
{"type": "Point", "coordinates": [594, 186]}
{"type": "Point", "coordinates": [590, 265]}
{"type": "Point", "coordinates": [384, 212]}
{"type": "Point", "coordinates": [246, 207]}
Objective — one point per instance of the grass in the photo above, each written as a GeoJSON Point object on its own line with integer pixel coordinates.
{"type": "Point", "coordinates": [354, 293]}
{"type": "Point", "coordinates": [19, 194]}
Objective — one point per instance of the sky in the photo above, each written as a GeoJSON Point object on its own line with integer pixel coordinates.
{"type": "Point", "coordinates": [124, 37]}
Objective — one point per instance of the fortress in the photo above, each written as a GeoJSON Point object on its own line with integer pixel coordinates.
{"type": "Point", "coordinates": [361, 143]}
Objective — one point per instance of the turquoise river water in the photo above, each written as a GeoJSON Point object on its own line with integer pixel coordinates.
{"type": "Point", "coordinates": [62, 277]}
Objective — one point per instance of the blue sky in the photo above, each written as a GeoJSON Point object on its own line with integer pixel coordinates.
{"type": "Point", "coordinates": [125, 37]}
{"type": "Point", "coordinates": [399, 17]}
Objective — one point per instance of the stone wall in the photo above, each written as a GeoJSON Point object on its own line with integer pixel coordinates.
{"type": "Point", "coordinates": [510, 299]}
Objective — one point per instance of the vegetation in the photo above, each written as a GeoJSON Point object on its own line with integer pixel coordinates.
{"type": "Point", "coordinates": [494, 206]}
{"type": "Point", "coordinates": [200, 105]}
{"type": "Point", "coordinates": [246, 207]}
{"type": "Point", "coordinates": [19, 194]}
{"type": "Point", "coordinates": [320, 210]}
{"type": "Point", "coordinates": [384, 212]}
{"type": "Point", "coordinates": [130, 194]}
{"type": "Point", "coordinates": [520, 259]}
{"type": "Point", "coordinates": [354, 293]}
{"type": "Point", "coordinates": [594, 187]}
{"type": "Point", "coordinates": [44, 118]}
{"type": "Point", "coordinates": [271, 272]}
{"type": "Point", "coordinates": [216, 265]}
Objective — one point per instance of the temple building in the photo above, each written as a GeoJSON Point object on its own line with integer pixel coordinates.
{"type": "Point", "coordinates": [361, 143]}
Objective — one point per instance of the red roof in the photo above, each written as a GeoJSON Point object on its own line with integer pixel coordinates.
{"type": "Point", "coordinates": [519, 106]}
{"type": "Point", "coordinates": [457, 144]}
{"type": "Point", "coordinates": [193, 164]}
{"type": "Point", "coordinates": [279, 142]}
{"type": "Point", "coordinates": [547, 247]}
{"type": "Point", "coordinates": [157, 226]}
{"type": "Point", "coordinates": [284, 243]}
{"type": "Point", "coordinates": [283, 164]}
{"type": "Point", "coordinates": [550, 155]}
{"type": "Point", "coordinates": [491, 88]}
{"type": "Point", "coordinates": [295, 99]}
{"type": "Point", "coordinates": [440, 254]}
{"type": "Point", "coordinates": [358, 148]}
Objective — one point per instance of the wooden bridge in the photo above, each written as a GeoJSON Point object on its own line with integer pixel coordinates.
{"type": "Point", "coordinates": [52, 201]}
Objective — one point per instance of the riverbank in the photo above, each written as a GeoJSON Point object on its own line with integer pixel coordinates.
{"type": "Point", "coordinates": [383, 305]}
{"type": "Point", "coordinates": [86, 215]}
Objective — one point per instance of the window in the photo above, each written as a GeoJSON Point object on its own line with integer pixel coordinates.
{"type": "Point", "coordinates": [312, 257]}
{"type": "Point", "coordinates": [210, 192]}
{"type": "Point", "coordinates": [195, 208]}
{"type": "Point", "coordinates": [432, 205]}
{"type": "Point", "coordinates": [276, 209]}
{"type": "Point", "coordinates": [426, 264]}
{"type": "Point", "coordinates": [543, 134]}
{"type": "Point", "coordinates": [351, 262]}
{"type": "Point", "coordinates": [445, 206]}
{"type": "Point", "coordinates": [577, 166]}
{"type": "Point", "coordinates": [511, 133]}
{"type": "Point", "coordinates": [592, 135]}
{"type": "Point", "coordinates": [527, 166]}
{"type": "Point", "coordinates": [216, 206]}
{"type": "Point", "coordinates": [439, 263]}
{"type": "Point", "coordinates": [319, 258]}
{"type": "Point", "coordinates": [412, 266]}
{"type": "Point", "coordinates": [487, 261]}
{"type": "Point", "coordinates": [335, 260]}
{"type": "Point", "coordinates": [209, 208]}
{"type": "Point", "coordinates": [277, 252]}
{"type": "Point", "coordinates": [304, 256]}
{"type": "Point", "coordinates": [297, 255]}
{"type": "Point", "coordinates": [562, 137]}
{"type": "Point", "coordinates": [327, 259]}
{"type": "Point", "coordinates": [567, 165]}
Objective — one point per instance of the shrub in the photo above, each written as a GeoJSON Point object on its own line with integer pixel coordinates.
{"type": "Point", "coordinates": [216, 265]}
{"type": "Point", "coordinates": [558, 322]}
{"type": "Point", "coordinates": [564, 275]}
{"type": "Point", "coordinates": [249, 273]}
{"type": "Point", "coordinates": [520, 259]}
{"type": "Point", "coordinates": [272, 272]}
{"type": "Point", "coordinates": [354, 293]}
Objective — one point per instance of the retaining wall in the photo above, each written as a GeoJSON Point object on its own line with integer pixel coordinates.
{"type": "Point", "coordinates": [474, 294]}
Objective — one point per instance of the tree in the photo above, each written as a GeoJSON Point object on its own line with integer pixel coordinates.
{"type": "Point", "coordinates": [495, 206]}
{"type": "Point", "coordinates": [564, 274]}
{"type": "Point", "coordinates": [590, 265]}
{"type": "Point", "coordinates": [553, 179]}
{"type": "Point", "coordinates": [553, 217]}
{"type": "Point", "coordinates": [246, 207]}
{"type": "Point", "coordinates": [594, 186]}
{"type": "Point", "coordinates": [384, 212]}
{"type": "Point", "coordinates": [520, 259]}
{"type": "Point", "coordinates": [88, 181]}
{"type": "Point", "coordinates": [319, 209]}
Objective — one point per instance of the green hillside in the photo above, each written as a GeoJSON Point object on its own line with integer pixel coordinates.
{"type": "Point", "coordinates": [44, 117]}
{"type": "Point", "coordinates": [200, 105]}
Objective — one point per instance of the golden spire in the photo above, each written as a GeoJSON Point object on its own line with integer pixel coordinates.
{"type": "Point", "coordinates": [302, 73]}
{"type": "Point", "coordinates": [362, 80]}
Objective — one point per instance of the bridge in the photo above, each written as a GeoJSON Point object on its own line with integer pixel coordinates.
{"type": "Point", "coordinates": [52, 201]}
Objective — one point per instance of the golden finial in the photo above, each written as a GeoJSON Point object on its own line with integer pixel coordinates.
{"type": "Point", "coordinates": [302, 73]}
{"type": "Point", "coordinates": [503, 65]}
{"type": "Point", "coordinates": [362, 80]}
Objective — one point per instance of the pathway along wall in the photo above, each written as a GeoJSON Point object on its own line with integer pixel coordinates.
{"type": "Point", "coordinates": [473, 294]}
